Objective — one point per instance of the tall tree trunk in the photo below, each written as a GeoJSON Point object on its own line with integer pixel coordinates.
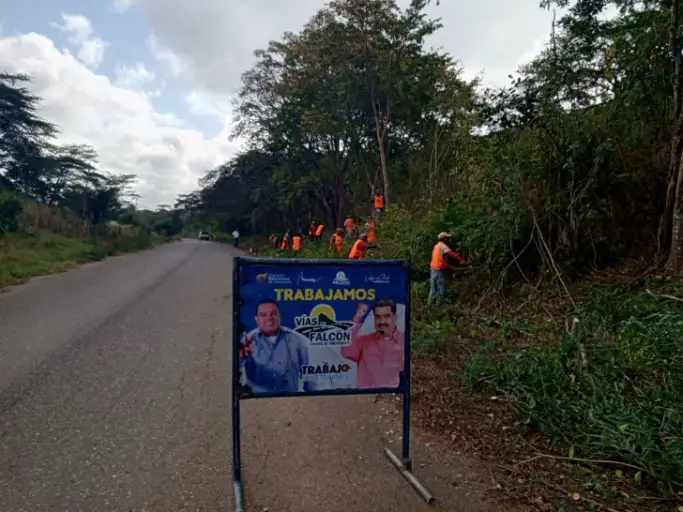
{"type": "Point", "coordinates": [675, 263]}
{"type": "Point", "coordinates": [384, 163]}
{"type": "Point", "coordinates": [665, 239]}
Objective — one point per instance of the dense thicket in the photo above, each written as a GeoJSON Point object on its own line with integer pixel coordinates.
{"type": "Point", "coordinates": [576, 161]}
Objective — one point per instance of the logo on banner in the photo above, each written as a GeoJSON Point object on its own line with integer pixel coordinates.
{"type": "Point", "coordinates": [304, 279]}
{"type": "Point", "coordinates": [378, 279]}
{"type": "Point", "coordinates": [341, 279]}
{"type": "Point", "coordinates": [322, 328]}
{"type": "Point", "coordinates": [325, 371]}
{"type": "Point", "coordinates": [272, 278]}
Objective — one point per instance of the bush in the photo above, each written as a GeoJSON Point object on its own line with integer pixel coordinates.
{"type": "Point", "coordinates": [10, 213]}
{"type": "Point", "coordinates": [625, 404]}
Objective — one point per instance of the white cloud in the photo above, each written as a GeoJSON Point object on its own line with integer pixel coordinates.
{"type": "Point", "coordinates": [173, 62]}
{"type": "Point", "coordinates": [136, 77]}
{"type": "Point", "coordinates": [215, 106]}
{"type": "Point", "coordinates": [130, 135]}
{"type": "Point", "coordinates": [121, 6]}
{"type": "Point", "coordinates": [90, 48]}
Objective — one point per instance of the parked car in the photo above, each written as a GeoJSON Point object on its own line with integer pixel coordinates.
{"type": "Point", "coordinates": [205, 235]}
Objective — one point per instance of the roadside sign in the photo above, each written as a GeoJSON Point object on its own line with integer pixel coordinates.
{"type": "Point", "coordinates": [304, 327]}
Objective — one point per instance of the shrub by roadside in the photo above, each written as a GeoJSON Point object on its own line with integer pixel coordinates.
{"type": "Point", "coordinates": [612, 390]}
{"type": "Point", "coordinates": [29, 254]}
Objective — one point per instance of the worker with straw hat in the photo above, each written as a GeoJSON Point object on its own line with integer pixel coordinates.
{"type": "Point", "coordinates": [439, 265]}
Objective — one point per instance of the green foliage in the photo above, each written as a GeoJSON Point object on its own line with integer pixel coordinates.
{"type": "Point", "coordinates": [27, 254]}
{"type": "Point", "coordinates": [406, 233]}
{"type": "Point", "coordinates": [430, 338]}
{"type": "Point", "coordinates": [624, 402]}
{"type": "Point", "coordinates": [10, 212]}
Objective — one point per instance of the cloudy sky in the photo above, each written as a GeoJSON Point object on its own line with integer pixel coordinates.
{"type": "Point", "coordinates": [148, 82]}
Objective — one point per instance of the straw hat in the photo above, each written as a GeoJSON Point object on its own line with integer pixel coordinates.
{"type": "Point", "coordinates": [443, 236]}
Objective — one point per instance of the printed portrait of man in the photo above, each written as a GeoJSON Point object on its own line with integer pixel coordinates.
{"type": "Point", "coordinates": [271, 356]}
{"type": "Point", "coordinates": [379, 354]}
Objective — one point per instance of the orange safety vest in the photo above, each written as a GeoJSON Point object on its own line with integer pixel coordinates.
{"type": "Point", "coordinates": [296, 243]}
{"type": "Point", "coordinates": [337, 240]}
{"type": "Point", "coordinates": [285, 243]}
{"type": "Point", "coordinates": [357, 250]}
{"type": "Point", "coordinates": [438, 262]}
{"type": "Point", "coordinates": [379, 201]}
{"type": "Point", "coordinates": [371, 231]}
{"type": "Point", "coordinates": [319, 231]}
{"type": "Point", "coordinates": [348, 224]}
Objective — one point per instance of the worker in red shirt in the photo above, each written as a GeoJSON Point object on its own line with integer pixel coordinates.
{"type": "Point", "coordinates": [360, 246]}
{"type": "Point", "coordinates": [439, 266]}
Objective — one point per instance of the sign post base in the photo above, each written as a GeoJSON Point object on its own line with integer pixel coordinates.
{"type": "Point", "coordinates": [239, 496]}
{"type": "Point", "coordinates": [412, 479]}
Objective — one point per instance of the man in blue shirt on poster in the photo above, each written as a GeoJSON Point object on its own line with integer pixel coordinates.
{"type": "Point", "coordinates": [271, 356]}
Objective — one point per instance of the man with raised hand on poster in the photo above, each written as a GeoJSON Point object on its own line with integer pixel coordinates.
{"type": "Point", "coordinates": [379, 354]}
{"type": "Point", "coordinates": [271, 356]}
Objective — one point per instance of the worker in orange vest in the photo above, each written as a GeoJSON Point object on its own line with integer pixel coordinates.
{"type": "Point", "coordinates": [360, 246]}
{"type": "Point", "coordinates": [370, 229]}
{"type": "Point", "coordinates": [378, 201]}
{"type": "Point", "coordinates": [311, 230]}
{"type": "Point", "coordinates": [285, 241]}
{"type": "Point", "coordinates": [349, 224]}
{"type": "Point", "coordinates": [439, 266]}
{"type": "Point", "coordinates": [319, 231]}
{"type": "Point", "coordinates": [296, 241]}
{"type": "Point", "coordinates": [337, 241]}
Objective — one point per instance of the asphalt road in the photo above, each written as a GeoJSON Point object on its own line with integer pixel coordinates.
{"type": "Point", "coordinates": [115, 396]}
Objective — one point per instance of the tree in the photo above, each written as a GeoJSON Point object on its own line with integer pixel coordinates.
{"type": "Point", "coordinates": [22, 132]}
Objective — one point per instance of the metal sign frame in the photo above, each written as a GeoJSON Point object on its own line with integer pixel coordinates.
{"type": "Point", "coordinates": [404, 465]}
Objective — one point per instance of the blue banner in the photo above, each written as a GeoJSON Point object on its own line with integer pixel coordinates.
{"type": "Point", "coordinates": [321, 326]}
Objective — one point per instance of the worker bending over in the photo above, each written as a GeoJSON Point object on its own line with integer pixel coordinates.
{"type": "Point", "coordinates": [319, 231]}
{"type": "Point", "coordinates": [360, 246]}
{"type": "Point", "coordinates": [439, 265]}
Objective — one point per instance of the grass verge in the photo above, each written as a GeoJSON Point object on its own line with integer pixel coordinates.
{"type": "Point", "coordinates": [29, 254]}
{"type": "Point", "coordinates": [587, 420]}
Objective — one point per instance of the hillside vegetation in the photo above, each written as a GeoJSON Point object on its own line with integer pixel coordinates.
{"type": "Point", "coordinates": [563, 189]}
{"type": "Point", "coordinates": [57, 208]}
